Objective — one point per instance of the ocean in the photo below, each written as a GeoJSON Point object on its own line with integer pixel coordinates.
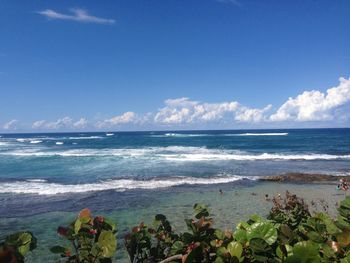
{"type": "Point", "coordinates": [48, 177]}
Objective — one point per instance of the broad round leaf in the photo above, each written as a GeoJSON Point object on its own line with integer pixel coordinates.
{"type": "Point", "coordinates": [235, 249]}
{"type": "Point", "coordinates": [108, 243]}
{"type": "Point", "coordinates": [263, 230]}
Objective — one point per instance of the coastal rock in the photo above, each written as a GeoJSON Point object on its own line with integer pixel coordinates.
{"type": "Point", "coordinates": [303, 178]}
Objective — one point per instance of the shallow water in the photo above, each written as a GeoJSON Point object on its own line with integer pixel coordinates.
{"type": "Point", "coordinates": [235, 204]}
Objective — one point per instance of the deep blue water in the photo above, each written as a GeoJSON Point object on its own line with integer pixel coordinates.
{"type": "Point", "coordinates": [46, 166]}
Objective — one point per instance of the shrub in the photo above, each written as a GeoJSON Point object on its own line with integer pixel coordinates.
{"type": "Point", "coordinates": [16, 246]}
{"type": "Point", "coordinates": [91, 240]}
{"type": "Point", "coordinates": [289, 234]}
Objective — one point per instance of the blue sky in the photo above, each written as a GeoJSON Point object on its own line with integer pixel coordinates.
{"type": "Point", "coordinates": [170, 64]}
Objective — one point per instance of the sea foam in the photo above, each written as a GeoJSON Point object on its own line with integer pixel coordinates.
{"type": "Point", "coordinates": [176, 153]}
{"type": "Point", "coordinates": [41, 187]}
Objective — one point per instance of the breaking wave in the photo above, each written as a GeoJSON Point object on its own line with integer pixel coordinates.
{"type": "Point", "coordinates": [42, 187]}
{"type": "Point", "coordinates": [176, 153]}
{"type": "Point", "coordinates": [259, 134]}
{"type": "Point", "coordinates": [35, 141]}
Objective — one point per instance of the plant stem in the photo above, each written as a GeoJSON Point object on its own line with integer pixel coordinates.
{"type": "Point", "coordinates": [175, 257]}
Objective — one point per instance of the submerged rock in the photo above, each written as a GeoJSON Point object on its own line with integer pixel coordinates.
{"type": "Point", "coordinates": [304, 178]}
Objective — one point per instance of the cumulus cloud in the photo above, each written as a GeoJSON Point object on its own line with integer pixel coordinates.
{"type": "Point", "coordinates": [80, 124]}
{"type": "Point", "coordinates": [11, 125]}
{"type": "Point", "coordinates": [38, 124]}
{"type": "Point", "coordinates": [62, 123]}
{"type": "Point", "coordinates": [65, 122]}
{"type": "Point", "coordinates": [245, 114]}
{"type": "Point", "coordinates": [314, 105]}
{"type": "Point", "coordinates": [78, 15]}
{"type": "Point", "coordinates": [330, 107]}
{"type": "Point", "coordinates": [184, 110]}
{"type": "Point", "coordinates": [127, 117]}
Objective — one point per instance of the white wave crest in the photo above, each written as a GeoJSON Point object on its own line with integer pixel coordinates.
{"type": "Point", "coordinates": [259, 134]}
{"type": "Point", "coordinates": [36, 180]}
{"type": "Point", "coordinates": [35, 141]}
{"type": "Point", "coordinates": [59, 143]}
{"type": "Point", "coordinates": [85, 137]}
{"type": "Point", "coordinates": [251, 157]}
{"type": "Point", "coordinates": [181, 135]}
{"type": "Point", "coordinates": [176, 153]}
{"type": "Point", "coordinates": [44, 188]}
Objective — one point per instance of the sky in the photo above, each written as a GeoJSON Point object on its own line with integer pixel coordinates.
{"type": "Point", "coordinates": [173, 64]}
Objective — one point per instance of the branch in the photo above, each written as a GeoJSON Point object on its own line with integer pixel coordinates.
{"type": "Point", "coordinates": [179, 256]}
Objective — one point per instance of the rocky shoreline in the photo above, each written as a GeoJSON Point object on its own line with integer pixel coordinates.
{"type": "Point", "coordinates": [304, 178]}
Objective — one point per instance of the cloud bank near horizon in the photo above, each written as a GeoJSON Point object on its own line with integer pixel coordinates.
{"type": "Point", "coordinates": [309, 107]}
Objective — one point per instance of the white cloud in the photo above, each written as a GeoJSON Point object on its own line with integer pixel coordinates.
{"type": "Point", "coordinates": [11, 125]}
{"type": "Point", "coordinates": [65, 122]}
{"type": "Point", "coordinates": [62, 123]}
{"type": "Point", "coordinates": [245, 114]}
{"type": "Point", "coordinates": [314, 108]}
{"type": "Point", "coordinates": [38, 124]}
{"type": "Point", "coordinates": [78, 15]}
{"type": "Point", "coordinates": [314, 105]}
{"type": "Point", "coordinates": [184, 110]}
{"type": "Point", "coordinates": [80, 124]}
{"type": "Point", "coordinates": [125, 118]}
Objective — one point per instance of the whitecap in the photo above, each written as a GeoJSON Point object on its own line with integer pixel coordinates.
{"type": "Point", "coordinates": [35, 141]}
{"type": "Point", "coordinates": [45, 188]}
{"type": "Point", "coordinates": [259, 134]}
{"type": "Point", "coordinates": [59, 143]}
{"type": "Point", "coordinates": [85, 138]}
{"type": "Point", "coordinates": [178, 154]}
{"type": "Point", "coordinates": [36, 180]}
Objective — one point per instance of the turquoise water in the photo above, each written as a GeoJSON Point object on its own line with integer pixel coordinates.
{"type": "Point", "coordinates": [130, 176]}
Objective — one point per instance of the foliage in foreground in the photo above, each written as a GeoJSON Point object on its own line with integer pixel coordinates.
{"type": "Point", "coordinates": [90, 240]}
{"type": "Point", "coordinates": [15, 246]}
{"type": "Point", "coordinates": [289, 234]}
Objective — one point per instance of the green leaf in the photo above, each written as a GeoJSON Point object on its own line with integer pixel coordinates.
{"type": "Point", "coordinates": [177, 248]}
{"type": "Point", "coordinates": [307, 251]}
{"type": "Point", "coordinates": [283, 251]}
{"type": "Point", "coordinates": [219, 260]}
{"type": "Point", "coordinates": [22, 241]}
{"type": "Point", "coordinates": [345, 260]}
{"type": "Point", "coordinates": [222, 252]}
{"type": "Point", "coordinates": [77, 226]}
{"type": "Point", "coordinates": [58, 250]}
{"type": "Point", "coordinates": [263, 230]}
{"type": "Point", "coordinates": [219, 234]}
{"type": "Point", "coordinates": [259, 245]}
{"type": "Point", "coordinates": [200, 210]}
{"type": "Point", "coordinates": [107, 243]}
{"type": "Point", "coordinates": [255, 218]}
{"type": "Point", "coordinates": [240, 235]}
{"type": "Point", "coordinates": [344, 238]}
{"type": "Point", "coordinates": [316, 237]}
{"type": "Point", "coordinates": [235, 249]}
{"type": "Point", "coordinates": [327, 220]}
{"type": "Point", "coordinates": [111, 225]}
{"type": "Point", "coordinates": [160, 217]}
{"type": "Point", "coordinates": [194, 255]}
